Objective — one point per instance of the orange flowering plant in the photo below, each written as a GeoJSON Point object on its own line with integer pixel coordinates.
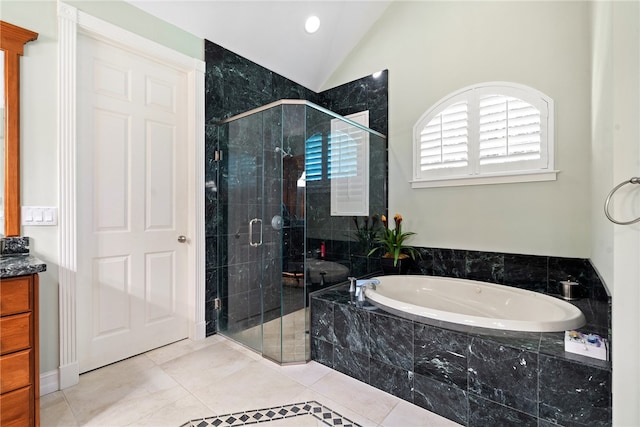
{"type": "Point", "coordinates": [392, 240]}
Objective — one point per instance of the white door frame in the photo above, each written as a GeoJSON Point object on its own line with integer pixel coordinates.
{"type": "Point", "coordinates": [71, 21]}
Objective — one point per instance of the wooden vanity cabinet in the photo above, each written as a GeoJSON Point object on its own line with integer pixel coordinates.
{"type": "Point", "coordinates": [19, 361]}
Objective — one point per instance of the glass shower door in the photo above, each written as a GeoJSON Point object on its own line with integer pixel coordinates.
{"type": "Point", "coordinates": [262, 277]}
{"type": "Point", "coordinates": [241, 238]}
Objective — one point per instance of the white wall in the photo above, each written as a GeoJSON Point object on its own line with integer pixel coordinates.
{"type": "Point", "coordinates": [434, 48]}
{"type": "Point", "coordinates": [616, 158]}
{"type": "Point", "coordinates": [602, 123]}
{"type": "Point", "coordinates": [38, 154]}
{"type": "Point", "coordinates": [38, 127]}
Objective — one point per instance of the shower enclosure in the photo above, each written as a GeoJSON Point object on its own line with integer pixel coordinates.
{"type": "Point", "coordinates": [292, 178]}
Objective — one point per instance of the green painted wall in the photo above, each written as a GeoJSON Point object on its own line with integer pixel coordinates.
{"type": "Point", "coordinates": [434, 48]}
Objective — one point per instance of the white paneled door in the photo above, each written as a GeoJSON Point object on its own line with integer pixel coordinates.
{"type": "Point", "coordinates": [132, 204]}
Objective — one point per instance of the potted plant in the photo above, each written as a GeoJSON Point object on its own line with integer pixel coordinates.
{"type": "Point", "coordinates": [366, 232]}
{"type": "Point", "coordinates": [392, 242]}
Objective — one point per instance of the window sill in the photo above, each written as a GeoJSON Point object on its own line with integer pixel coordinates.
{"type": "Point", "coordinates": [530, 176]}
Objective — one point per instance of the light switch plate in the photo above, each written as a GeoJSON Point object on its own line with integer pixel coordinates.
{"type": "Point", "coordinates": [39, 215]}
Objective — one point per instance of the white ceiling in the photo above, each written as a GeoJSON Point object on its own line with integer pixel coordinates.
{"type": "Point", "coordinates": [271, 32]}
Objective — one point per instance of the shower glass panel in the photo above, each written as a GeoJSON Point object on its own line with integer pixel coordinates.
{"type": "Point", "coordinates": [270, 159]}
{"type": "Point", "coordinates": [241, 242]}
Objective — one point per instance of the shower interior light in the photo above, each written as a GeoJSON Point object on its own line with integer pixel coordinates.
{"type": "Point", "coordinates": [312, 24]}
{"type": "Point", "coordinates": [376, 74]}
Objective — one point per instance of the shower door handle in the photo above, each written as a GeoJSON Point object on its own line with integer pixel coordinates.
{"type": "Point", "coordinates": [251, 223]}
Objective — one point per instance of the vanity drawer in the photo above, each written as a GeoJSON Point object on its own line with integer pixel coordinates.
{"type": "Point", "coordinates": [16, 409]}
{"type": "Point", "coordinates": [14, 371]}
{"type": "Point", "coordinates": [15, 295]}
{"type": "Point", "coordinates": [15, 333]}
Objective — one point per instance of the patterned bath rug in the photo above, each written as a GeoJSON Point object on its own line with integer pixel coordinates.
{"type": "Point", "coordinates": [245, 418]}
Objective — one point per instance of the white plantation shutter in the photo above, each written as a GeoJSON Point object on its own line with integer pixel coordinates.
{"type": "Point", "coordinates": [511, 134]}
{"type": "Point", "coordinates": [313, 158]}
{"type": "Point", "coordinates": [349, 166]}
{"type": "Point", "coordinates": [343, 154]}
{"type": "Point", "coordinates": [444, 140]}
{"type": "Point", "coordinates": [487, 130]}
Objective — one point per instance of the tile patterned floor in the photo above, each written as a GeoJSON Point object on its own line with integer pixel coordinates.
{"type": "Point", "coordinates": [203, 380]}
{"type": "Point", "coordinates": [244, 418]}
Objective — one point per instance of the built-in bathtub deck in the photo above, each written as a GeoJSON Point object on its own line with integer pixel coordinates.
{"type": "Point", "coordinates": [474, 378]}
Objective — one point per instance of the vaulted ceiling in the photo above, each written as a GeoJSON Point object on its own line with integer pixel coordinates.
{"type": "Point", "coordinates": [271, 32]}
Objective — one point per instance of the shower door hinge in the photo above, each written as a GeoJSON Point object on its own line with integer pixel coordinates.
{"type": "Point", "coordinates": [217, 304]}
{"type": "Point", "coordinates": [217, 156]}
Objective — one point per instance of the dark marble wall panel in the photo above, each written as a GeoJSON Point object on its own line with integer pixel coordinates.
{"type": "Point", "coordinates": [526, 272]}
{"type": "Point", "coordinates": [212, 223]}
{"type": "Point", "coordinates": [210, 315]}
{"type": "Point", "coordinates": [391, 341]}
{"type": "Point", "coordinates": [351, 328]}
{"type": "Point", "coordinates": [234, 85]}
{"type": "Point", "coordinates": [441, 354]}
{"type": "Point", "coordinates": [484, 413]}
{"type": "Point", "coordinates": [392, 379]}
{"type": "Point", "coordinates": [484, 266]}
{"type": "Point", "coordinates": [322, 320]}
{"type": "Point", "coordinates": [322, 352]}
{"type": "Point", "coordinates": [351, 363]}
{"type": "Point", "coordinates": [424, 263]}
{"type": "Point", "coordinates": [505, 375]}
{"type": "Point", "coordinates": [367, 93]}
{"type": "Point", "coordinates": [449, 401]}
{"type": "Point", "coordinates": [573, 394]}
{"type": "Point", "coordinates": [449, 263]}
{"type": "Point", "coordinates": [579, 269]}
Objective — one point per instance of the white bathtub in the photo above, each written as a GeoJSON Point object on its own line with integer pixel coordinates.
{"type": "Point", "coordinates": [469, 303]}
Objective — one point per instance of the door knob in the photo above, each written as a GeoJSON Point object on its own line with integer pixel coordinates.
{"type": "Point", "coordinates": [182, 239]}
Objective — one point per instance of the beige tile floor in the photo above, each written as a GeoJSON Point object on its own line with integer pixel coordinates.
{"type": "Point", "coordinates": [194, 379]}
{"type": "Point", "coordinates": [283, 339]}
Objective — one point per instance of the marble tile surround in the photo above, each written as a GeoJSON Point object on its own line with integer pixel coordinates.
{"type": "Point", "coordinates": [506, 379]}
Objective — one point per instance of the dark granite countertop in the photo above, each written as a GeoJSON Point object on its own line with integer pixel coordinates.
{"type": "Point", "coordinates": [20, 265]}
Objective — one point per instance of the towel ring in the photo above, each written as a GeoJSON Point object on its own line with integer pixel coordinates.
{"type": "Point", "coordinates": [634, 180]}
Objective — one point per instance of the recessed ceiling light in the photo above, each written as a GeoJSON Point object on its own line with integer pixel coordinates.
{"type": "Point", "coordinates": [312, 24]}
{"type": "Point", "coordinates": [376, 74]}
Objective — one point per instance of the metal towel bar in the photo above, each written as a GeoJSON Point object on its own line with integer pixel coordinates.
{"type": "Point", "coordinates": [633, 180]}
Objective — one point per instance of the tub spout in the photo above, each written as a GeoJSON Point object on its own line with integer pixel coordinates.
{"type": "Point", "coordinates": [364, 282]}
{"type": "Point", "coordinates": [352, 284]}
{"type": "Point", "coordinates": [361, 286]}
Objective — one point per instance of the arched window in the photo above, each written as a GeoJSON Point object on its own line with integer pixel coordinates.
{"type": "Point", "coordinates": [486, 133]}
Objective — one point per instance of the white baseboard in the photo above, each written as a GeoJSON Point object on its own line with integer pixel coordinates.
{"type": "Point", "coordinates": [198, 331]}
{"type": "Point", "coordinates": [69, 375]}
{"type": "Point", "coordinates": [49, 382]}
